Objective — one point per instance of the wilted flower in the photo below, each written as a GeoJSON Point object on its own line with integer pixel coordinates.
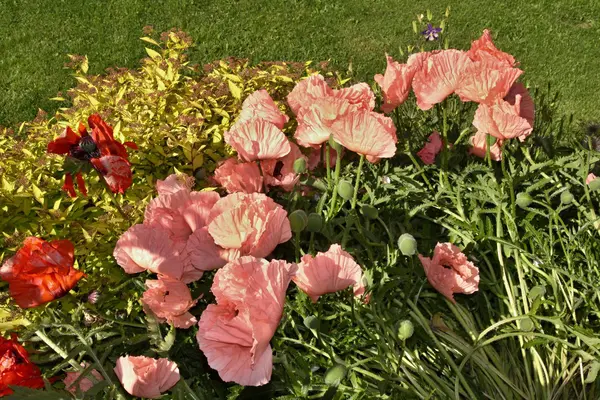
{"type": "Point", "coordinates": [15, 367]}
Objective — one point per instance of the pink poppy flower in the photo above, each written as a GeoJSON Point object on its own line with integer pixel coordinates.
{"type": "Point", "coordinates": [307, 91]}
{"type": "Point", "coordinates": [590, 178]}
{"type": "Point", "coordinates": [252, 223]}
{"type": "Point", "coordinates": [367, 133]}
{"type": "Point", "coordinates": [484, 46]}
{"type": "Point", "coordinates": [431, 149]}
{"type": "Point", "coordinates": [84, 384]}
{"type": "Point", "coordinates": [257, 140]}
{"type": "Point", "coordinates": [174, 183]}
{"type": "Point", "coordinates": [486, 81]}
{"type": "Point", "coordinates": [259, 105]}
{"type": "Point", "coordinates": [116, 171]}
{"type": "Point", "coordinates": [170, 301]}
{"type": "Point", "coordinates": [146, 377]}
{"type": "Point", "coordinates": [526, 105]}
{"type": "Point", "coordinates": [395, 83]}
{"type": "Point", "coordinates": [328, 272]}
{"type": "Point", "coordinates": [204, 255]}
{"type": "Point", "coordinates": [439, 76]}
{"type": "Point", "coordinates": [502, 120]}
{"type": "Point", "coordinates": [199, 207]}
{"type": "Point", "coordinates": [234, 334]}
{"type": "Point", "coordinates": [479, 146]}
{"type": "Point", "coordinates": [234, 176]}
{"type": "Point", "coordinates": [316, 121]}
{"type": "Point", "coordinates": [281, 172]}
{"type": "Point", "coordinates": [450, 272]}
{"type": "Point", "coordinates": [359, 94]}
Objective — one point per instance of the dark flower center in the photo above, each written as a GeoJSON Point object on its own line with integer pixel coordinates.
{"type": "Point", "coordinates": [85, 150]}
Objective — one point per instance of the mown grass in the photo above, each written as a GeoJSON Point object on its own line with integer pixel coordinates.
{"type": "Point", "coordinates": [555, 41]}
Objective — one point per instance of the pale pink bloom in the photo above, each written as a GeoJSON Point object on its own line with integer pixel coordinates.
{"type": "Point", "coordinates": [144, 247]}
{"type": "Point", "coordinates": [307, 91]}
{"type": "Point", "coordinates": [198, 208]}
{"type": "Point", "coordinates": [439, 76]}
{"type": "Point", "coordinates": [235, 333]}
{"type": "Point", "coordinates": [146, 377]}
{"type": "Point", "coordinates": [251, 223]}
{"type": "Point", "coordinates": [281, 172]}
{"type": "Point", "coordinates": [395, 83]}
{"type": "Point", "coordinates": [259, 105]}
{"type": "Point", "coordinates": [236, 176]}
{"type": "Point", "coordinates": [590, 178]}
{"type": "Point", "coordinates": [84, 384]}
{"type": "Point", "coordinates": [526, 105]}
{"type": "Point", "coordinates": [257, 140]}
{"type": "Point", "coordinates": [174, 183]}
{"type": "Point", "coordinates": [328, 272]}
{"type": "Point", "coordinates": [431, 149]}
{"type": "Point", "coordinates": [367, 133]}
{"type": "Point", "coordinates": [484, 46]}
{"type": "Point", "coordinates": [166, 211]}
{"type": "Point", "coordinates": [315, 122]}
{"type": "Point", "coordinates": [502, 120]}
{"type": "Point", "coordinates": [479, 146]}
{"type": "Point", "coordinates": [204, 255]}
{"type": "Point", "coordinates": [170, 300]}
{"type": "Point", "coordinates": [450, 272]}
{"type": "Point", "coordinates": [486, 81]}
{"type": "Point", "coordinates": [359, 94]}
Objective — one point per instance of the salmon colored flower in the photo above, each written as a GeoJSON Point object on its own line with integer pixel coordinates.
{"type": "Point", "coordinates": [170, 300]}
{"type": "Point", "coordinates": [431, 149]}
{"type": "Point", "coordinates": [84, 384]}
{"type": "Point", "coordinates": [307, 91]}
{"type": "Point", "coordinates": [450, 272]}
{"type": "Point", "coordinates": [360, 95]}
{"type": "Point", "coordinates": [502, 120]}
{"type": "Point", "coordinates": [15, 367]}
{"type": "Point", "coordinates": [479, 146]}
{"type": "Point", "coordinates": [484, 47]}
{"type": "Point", "coordinates": [486, 81]}
{"type": "Point", "coordinates": [234, 334]}
{"type": "Point", "coordinates": [367, 133]}
{"type": "Point", "coordinates": [439, 76]}
{"type": "Point", "coordinates": [40, 272]}
{"type": "Point", "coordinates": [204, 254]}
{"type": "Point", "coordinates": [328, 272]}
{"type": "Point", "coordinates": [259, 105]}
{"type": "Point", "coordinates": [281, 172]}
{"type": "Point", "coordinates": [395, 83]}
{"type": "Point", "coordinates": [251, 223]}
{"type": "Point", "coordinates": [519, 93]}
{"type": "Point", "coordinates": [257, 140]}
{"type": "Point", "coordinates": [590, 178]}
{"type": "Point", "coordinates": [235, 176]}
{"type": "Point", "coordinates": [174, 183]}
{"type": "Point", "coordinates": [316, 121]}
{"type": "Point", "coordinates": [146, 377]}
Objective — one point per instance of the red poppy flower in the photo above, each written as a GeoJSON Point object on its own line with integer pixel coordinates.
{"type": "Point", "coordinates": [40, 272]}
{"type": "Point", "coordinates": [84, 151]}
{"type": "Point", "coordinates": [15, 367]}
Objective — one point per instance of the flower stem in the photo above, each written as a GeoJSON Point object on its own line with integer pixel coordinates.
{"type": "Point", "coordinates": [113, 197]}
{"type": "Point", "coordinates": [58, 350]}
{"type": "Point", "coordinates": [327, 164]}
{"type": "Point", "coordinates": [357, 184]}
{"type": "Point", "coordinates": [336, 179]}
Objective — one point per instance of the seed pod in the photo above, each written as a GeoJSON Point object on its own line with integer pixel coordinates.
{"type": "Point", "coordinates": [523, 199]}
{"type": "Point", "coordinates": [298, 221]}
{"type": "Point", "coordinates": [315, 222]}
{"type": "Point", "coordinates": [595, 184]}
{"type": "Point", "coordinates": [369, 211]}
{"type": "Point", "coordinates": [345, 190]}
{"type": "Point", "coordinates": [335, 374]}
{"type": "Point", "coordinates": [566, 197]}
{"type": "Point", "coordinates": [407, 244]}
{"type": "Point", "coordinates": [405, 330]}
{"type": "Point", "coordinates": [300, 166]}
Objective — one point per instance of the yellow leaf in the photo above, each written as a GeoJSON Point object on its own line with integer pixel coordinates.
{"type": "Point", "coordinates": [37, 193]}
{"type": "Point", "coordinates": [149, 40]}
{"type": "Point", "coordinates": [235, 90]}
{"type": "Point", "coordinates": [86, 235]}
{"type": "Point", "coordinates": [6, 185]}
{"type": "Point", "coordinates": [153, 53]}
{"type": "Point", "coordinates": [198, 161]}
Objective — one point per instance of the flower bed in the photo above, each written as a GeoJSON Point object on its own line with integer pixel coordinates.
{"type": "Point", "coordinates": [272, 231]}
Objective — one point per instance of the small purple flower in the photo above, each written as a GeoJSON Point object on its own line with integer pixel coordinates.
{"type": "Point", "coordinates": [93, 297]}
{"type": "Point", "coordinates": [431, 33]}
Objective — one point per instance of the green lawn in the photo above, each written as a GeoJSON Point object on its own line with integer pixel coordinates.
{"type": "Point", "coordinates": [555, 40]}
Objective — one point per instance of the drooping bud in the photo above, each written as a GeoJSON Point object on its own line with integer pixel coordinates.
{"type": "Point", "coordinates": [407, 244]}
{"type": "Point", "coordinates": [523, 199]}
{"type": "Point", "coordinates": [566, 197]}
{"type": "Point", "coordinates": [298, 221]}
{"type": "Point", "coordinates": [315, 222]}
{"type": "Point", "coordinates": [345, 190]}
{"type": "Point", "coordinates": [300, 166]}
{"type": "Point", "coordinates": [369, 211]}
{"type": "Point", "coordinates": [335, 374]}
{"type": "Point", "coordinates": [405, 329]}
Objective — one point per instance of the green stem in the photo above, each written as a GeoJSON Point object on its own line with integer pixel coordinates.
{"type": "Point", "coordinates": [189, 390]}
{"type": "Point", "coordinates": [327, 164]}
{"type": "Point", "coordinates": [297, 245]}
{"type": "Point", "coordinates": [58, 350]}
{"type": "Point", "coordinates": [336, 179]}
{"type": "Point", "coordinates": [488, 154]}
{"type": "Point", "coordinates": [357, 184]}
{"type": "Point", "coordinates": [113, 197]}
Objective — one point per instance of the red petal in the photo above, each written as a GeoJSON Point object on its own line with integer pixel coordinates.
{"type": "Point", "coordinates": [63, 143]}
{"type": "Point", "coordinates": [82, 129]}
{"type": "Point", "coordinates": [131, 145]}
{"type": "Point", "coordinates": [68, 186]}
{"type": "Point", "coordinates": [116, 170]}
{"type": "Point", "coordinates": [81, 184]}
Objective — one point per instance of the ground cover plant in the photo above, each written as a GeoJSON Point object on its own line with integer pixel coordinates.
{"type": "Point", "coordinates": [237, 231]}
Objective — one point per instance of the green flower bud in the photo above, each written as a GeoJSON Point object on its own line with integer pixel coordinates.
{"type": "Point", "coordinates": [566, 197]}
{"type": "Point", "coordinates": [537, 291]}
{"type": "Point", "coordinates": [345, 190]}
{"type": "Point", "coordinates": [523, 199]}
{"type": "Point", "coordinates": [595, 184]}
{"type": "Point", "coordinates": [407, 244]}
{"type": "Point", "coordinates": [335, 374]}
{"type": "Point", "coordinates": [300, 165]}
{"type": "Point", "coordinates": [298, 221]}
{"type": "Point", "coordinates": [405, 330]}
{"type": "Point", "coordinates": [526, 324]}
{"type": "Point", "coordinates": [315, 222]}
{"type": "Point", "coordinates": [369, 211]}
{"type": "Point", "coordinates": [334, 145]}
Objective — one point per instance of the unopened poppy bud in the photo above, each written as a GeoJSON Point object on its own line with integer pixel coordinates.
{"type": "Point", "coordinates": [405, 330]}
{"type": "Point", "coordinates": [199, 174]}
{"type": "Point", "coordinates": [345, 190]}
{"type": "Point", "coordinates": [334, 145]}
{"type": "Point", "coordinates": [369, 211]}
{"type": "Point", "coordinates": [315, 222]}
{"type": "Point", "coordinates": [566, 197]}
{"type": "Point", "coordinates": [300, 165]}
{"type": "Point", "coordinates": [298, 221]}
{"type": "Point", "coordinates": [407, 244]}
{"type": "Point", "coordinates": [335, 374]}
{"type": "Point", "coordinates": [595, 184]}
{"type": "Point", "coordinates": [523, 199]}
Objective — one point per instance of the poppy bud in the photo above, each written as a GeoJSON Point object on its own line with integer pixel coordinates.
{"type": "Point", "coordinates": [369, 211]}
{"type": "Point", "coordinates": [345, 190]}
{"type": "Point", "coordinates": [300, 165]}
{"type": "Point", "coordinates": [566, 197]}
{"type": "Point", "coordinates": [405, 330]}
{"type": "Point", "coordinates": [526, 324]}
{"type": "Point", "coordinates": [335, 374]}
{"type": "Point", "coordinates": [315, 222]}
{"type": "Point", "coordinates": [407, 244]}
{"type": "Point", "coordinates": [523, 199]}
{"type": "Point", "coordinates": [298, 221]}
{"type": "Point", "coordinates": [199, 174]}
{"type": "Point", "coordinates": [595, 184]}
